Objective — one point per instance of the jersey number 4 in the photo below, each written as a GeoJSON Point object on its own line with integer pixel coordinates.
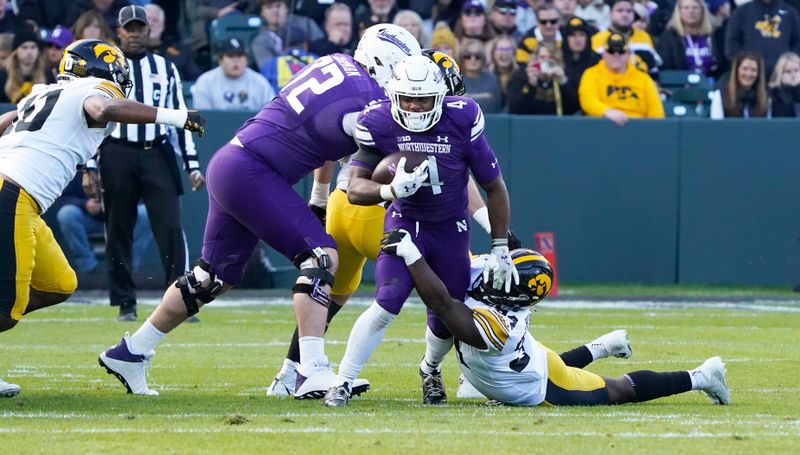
{"type": "Point", "coordinates": [36, 110]}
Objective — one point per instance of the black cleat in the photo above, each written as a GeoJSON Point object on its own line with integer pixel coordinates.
{"type": "Point", "coordinates": [433, 388]}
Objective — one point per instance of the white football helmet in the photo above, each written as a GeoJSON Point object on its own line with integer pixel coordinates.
{"type": "Point", "coordinates": [382, 47]}
{"type": "Point", "coordinates": [418, 77]}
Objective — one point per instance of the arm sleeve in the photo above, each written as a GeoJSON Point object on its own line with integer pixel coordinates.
{"type": "Point", "coordinates": [366, 157]}
{"type": "Point", "coordinates": [181, 140]}
{"type": "Point", "coordinates": [587, 94]}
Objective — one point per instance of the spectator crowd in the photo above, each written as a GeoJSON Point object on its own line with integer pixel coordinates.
{"type": "Point", "coordinates": [532, 57]}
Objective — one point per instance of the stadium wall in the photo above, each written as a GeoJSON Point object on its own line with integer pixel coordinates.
{"type": "Point", "coordinates": [667, 201]}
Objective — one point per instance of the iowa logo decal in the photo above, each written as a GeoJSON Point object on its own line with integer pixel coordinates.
{"type": "Point", "coordinates": [770, 26]}
{"type": "Point", "coordinates": [106, 52]}
{"type": "Point", "coordinates": [540, 284]}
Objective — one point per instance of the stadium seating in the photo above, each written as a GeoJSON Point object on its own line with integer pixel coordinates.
{"type": "Point", "coordinates": [243, 27]}
{"type": "Point", "coordinates": [688, 93]}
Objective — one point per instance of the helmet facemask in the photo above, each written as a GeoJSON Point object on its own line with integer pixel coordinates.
{"type": "Point", "coordinates": [535, 281]}
{"type": "Point", "coordinates": [417, 77]}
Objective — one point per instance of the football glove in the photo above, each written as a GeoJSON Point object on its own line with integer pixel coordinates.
{"type": "Point", "coordinates": [319, 212]}
{"type": "Point", "coordinates": [195, 122]}
{"type": "Point", "coordinates": [405, 184]}
{"type": "Point", "coordinates": [397, 242]}
{"type": "Point", "coordinates": [499, 267]}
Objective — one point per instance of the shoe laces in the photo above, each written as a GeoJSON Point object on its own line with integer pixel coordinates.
{"type": "Point", "coordinates": [433, 384]}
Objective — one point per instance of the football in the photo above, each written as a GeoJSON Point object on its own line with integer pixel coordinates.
{"type": "Point", "coordinates": [384, 171]}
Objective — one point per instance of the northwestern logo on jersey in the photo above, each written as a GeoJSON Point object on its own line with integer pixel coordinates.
{"type": "Point", "coordinates": [424, 147]}
{"type": "Point", "coordinates": [390, 38]}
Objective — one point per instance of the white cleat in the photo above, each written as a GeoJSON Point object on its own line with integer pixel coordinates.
{"type": "Point", "coordinates": [283, 384]}
{"type": "Point", "coordinates": [315, 383]}
{"type": "Point", "coordinates": [615, 344]}
{"type": "Point", "coordinates": [467, 390]}
{"type": "Point", "coordinates": [715, 386]}
{"type": "Point", "coordinates": [130, 369]}
{"type": "Point", "coordinates": [8, 390]}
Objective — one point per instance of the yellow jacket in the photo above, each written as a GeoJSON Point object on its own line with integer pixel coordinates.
{"type": "Point", "coordinates": [632, 92]}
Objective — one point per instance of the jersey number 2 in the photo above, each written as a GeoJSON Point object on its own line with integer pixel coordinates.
{"type": "Point", "coordinates": [307, 81]}
{"type": "Point", "coordinates": [34, 113]}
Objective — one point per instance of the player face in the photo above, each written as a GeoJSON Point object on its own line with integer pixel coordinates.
{"type": "Point", "coordinates": [133, 37]}
{"type": "Point", "coordinates": [417, 104]}
{"type": "Point", "coordinates": [233, 65]}
{"type": "Point", "coordinates": [622, 15]}
{"type": "Point", "coordinates": [747, 73]}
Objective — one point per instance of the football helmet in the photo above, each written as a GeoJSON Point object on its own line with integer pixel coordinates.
{"type": "Point", "coordinates": [417, 77]}
{"type": "Point", "coordinates": [450, 69]}
{"type": "Point", "coordinates": [95, 58]}
{"type": "Point", "coordinates": [535, 281]}
{"type": "Point", "coordinates": [383, 47]}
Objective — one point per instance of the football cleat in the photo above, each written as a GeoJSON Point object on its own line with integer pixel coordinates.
{"type": "Point", "coordinates": [615, 344]}
{"type": "Point", "coordinates": [337, 396]}
{"type": "Point", "coordinates": [433, 388]}
{"type": "Point", "coordinates": [131, 369]}
{"type": "Point", "coordinates": [283, 384]}
{"type": "Point", "coordinates": [315, 383]}
{"type": "Point", "coordinates": [713, 380]}
{"type": "Point", "coordinates": [467, 390]}
{"type": "Point", "coordinates": [8, 390]}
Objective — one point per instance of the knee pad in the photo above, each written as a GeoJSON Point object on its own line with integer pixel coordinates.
{"type": "Point", "coordinates": [192, 289]}
{"type": "Point", "coordinates": [319, 275]}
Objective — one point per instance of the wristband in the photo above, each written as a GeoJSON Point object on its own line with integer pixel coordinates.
{"type": "Point", "coordinates": [319, 194]}
{"type": "Point", "coordinates": [500, 243]}
{"type": "Point", "coordinates": [174, 117]}
{"type": "Point", "coordinates": [386, 193]}
{"type": "Point", "coordinates": [481, 216]}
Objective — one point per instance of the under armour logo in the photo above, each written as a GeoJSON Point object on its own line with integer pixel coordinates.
{"type": "Point", "coordinates": [444, 139]}
{"type": "Point", "coordinates": [396, 214]}
{"type": "Point", "coordinates": [494, 164]}
{"type": "Point", "coordinates": [461, 225]}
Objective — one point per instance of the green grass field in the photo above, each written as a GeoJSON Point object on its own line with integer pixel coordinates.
{"type": "Point", "coordinates": [212, 378]}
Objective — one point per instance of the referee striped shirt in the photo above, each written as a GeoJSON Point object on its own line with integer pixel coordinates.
{"type": "Point", "coordinates": [156, 82]}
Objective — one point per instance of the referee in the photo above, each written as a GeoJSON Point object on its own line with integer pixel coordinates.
{"type": "Point", "coordinates": [138, 162]}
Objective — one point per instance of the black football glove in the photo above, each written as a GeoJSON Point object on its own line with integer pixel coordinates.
{"type": "Point", "coordinates": [319, 212]}
{"type": "Point", "coordinates": [195, 122]}
{"type": "Point", "coordinates": [513, 241]}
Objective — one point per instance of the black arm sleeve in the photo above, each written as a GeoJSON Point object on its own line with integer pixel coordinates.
{"type": "Point", "coordinates": [368, 155]}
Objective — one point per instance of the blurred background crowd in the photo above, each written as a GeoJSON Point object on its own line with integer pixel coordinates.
{"type": "Point", "coordinates": [712, 58]}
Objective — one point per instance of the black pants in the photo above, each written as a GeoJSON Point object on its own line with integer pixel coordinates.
{"type": "Point", "coordinates": [129, 173]}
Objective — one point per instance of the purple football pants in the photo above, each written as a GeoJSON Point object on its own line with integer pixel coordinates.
{"type": "Point", "coordinates": [248, 201]}
{"type": "Point", "coordinates": [444, 245]}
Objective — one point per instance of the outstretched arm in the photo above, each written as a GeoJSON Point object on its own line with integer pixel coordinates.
{"type": "Point", "coordinates": [455, 315]}
{"type": "Point", "coordinates": [499, 207]}
{"type": "Point", "coordinates": [104, 110]}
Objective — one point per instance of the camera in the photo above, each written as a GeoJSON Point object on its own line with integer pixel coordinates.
{"type": "Point", "coordinates": [547, 67]}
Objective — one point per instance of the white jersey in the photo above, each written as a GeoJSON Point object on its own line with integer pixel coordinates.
{"type": "Point", "coordinates": [50, 139]}
{"type": "Point", "coordinates": [513, 368]}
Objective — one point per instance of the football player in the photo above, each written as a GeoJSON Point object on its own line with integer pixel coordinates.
{"type": "Point", "coordinates": [503, 361]}
{"type": "Point", "coordinates": [55, 130]}
{"type": "Point", "coordinates": [251, 197]}
{"type": "Point", "coordinates": [430, 201]}
{"type": "Point", "coordinates": [357, 230]}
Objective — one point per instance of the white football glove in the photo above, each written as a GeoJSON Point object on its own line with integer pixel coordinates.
{"type": "Point", "coordinates": [500, 267]}
{"type": "Point", "coordinates": [405, 184]}
{"type": "Point", "coordinates": [397, 242]}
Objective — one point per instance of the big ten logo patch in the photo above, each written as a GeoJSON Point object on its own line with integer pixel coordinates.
{"type": "Point", "coordinates": [770, 27]}
{"type": "Point", "coordinates": [621, 93]}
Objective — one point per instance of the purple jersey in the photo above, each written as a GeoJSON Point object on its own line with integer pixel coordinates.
{"type": "Point", "coordinates": [306, 118]}
{"type": "Point", "coordinates": [454, 145]}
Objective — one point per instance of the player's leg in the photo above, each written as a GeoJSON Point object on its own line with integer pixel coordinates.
{"type": "Point", "coordinates": [447, 245]}
{"type": "Point", "coordinates": [394, 284]}
{"type": "Point", "coordinates": [645, 385]}
{"type": "Point", "coordinates": [227, 245]}
{"type": "Point", "coordinates": [52, 280]}
{"type": "Point", "coordinates": [357, 231]}
{"type": "Point", "coordinates": [614, 344]}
